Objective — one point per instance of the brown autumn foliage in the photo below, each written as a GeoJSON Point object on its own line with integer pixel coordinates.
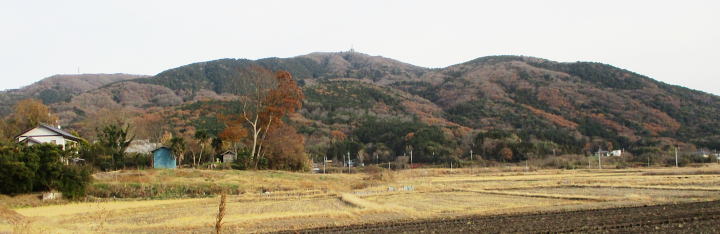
{"type": "Point", "coordinates": [283, 146]}
{"type": "Point", "coordinates": [150, 126]}
{"type": "Point", "coordinates": [284, 99]}
{"type": "Point", "coordinates": [286, 149]}
{"type": "Point", "coordinates": [234, 133]}
{"type": "Point", "coordinates": [506, 154]}
{"type": "Point", "coordinates": [337, 135]}
{"type": "Point", "coordinates": [261, 117]}
{"type": "Point", "coordinates": [553, 98]}
{"type": "Point", "coordinates": [95, 121]}
{"type": "Point", "coordinates": [29, 113]}
{"type": "Point", "coordinates": [496, 85]}
{"type": "Point", "coordinates": [556, 119]}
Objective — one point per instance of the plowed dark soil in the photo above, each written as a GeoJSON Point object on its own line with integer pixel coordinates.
{"type": "Point", "coordinates": [700, 217]}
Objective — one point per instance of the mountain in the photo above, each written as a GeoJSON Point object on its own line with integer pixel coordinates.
{"type": "Point", "coordinates": [59, 88]}
{"type": "Point", "coordinates": [576, 107]}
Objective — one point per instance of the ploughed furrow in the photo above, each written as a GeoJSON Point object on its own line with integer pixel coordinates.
{"type": "Point", "coordinates": [699, 217]}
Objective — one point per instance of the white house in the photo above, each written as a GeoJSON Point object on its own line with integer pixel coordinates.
{"type": "Point", "coordinates": [616, 153]}
{"type": "Point", "coordinates": [601, 152]}
{"type": "Point", "coordinates": [44, 133]}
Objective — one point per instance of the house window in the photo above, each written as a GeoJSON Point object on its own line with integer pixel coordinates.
{"type": "Point", "coordinates": [54, 142]}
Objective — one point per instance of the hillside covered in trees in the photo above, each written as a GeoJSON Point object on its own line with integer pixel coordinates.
{"type": "Point", "coordinates": [59, 88]}
{"type": "Point", "coordinates": [504, 108]}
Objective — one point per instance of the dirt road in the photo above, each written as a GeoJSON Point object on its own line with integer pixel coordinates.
{"type": "Point", "coordinates": [700, 217]}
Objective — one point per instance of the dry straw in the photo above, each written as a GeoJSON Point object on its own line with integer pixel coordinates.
{"type": "Point", "coordinates": [220, 215]}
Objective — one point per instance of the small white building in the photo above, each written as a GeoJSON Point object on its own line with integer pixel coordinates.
{"type": "Point", "coordinates": [44, 133]}
{"type": "Point", "coordinates": [604, 153]}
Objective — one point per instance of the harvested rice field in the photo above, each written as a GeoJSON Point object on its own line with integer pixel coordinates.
{"type": "Point", "coordinates": [297, 202]}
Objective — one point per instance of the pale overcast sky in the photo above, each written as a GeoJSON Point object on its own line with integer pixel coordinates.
{"type": "Point", "coordinates": [677, 42]}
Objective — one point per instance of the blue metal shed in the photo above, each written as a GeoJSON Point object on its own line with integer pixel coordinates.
{"type": "Point", "coordinates": [163, 158]}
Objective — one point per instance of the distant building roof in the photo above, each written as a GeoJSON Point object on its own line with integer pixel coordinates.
{"type": "Point", "coordinates": [60, 132]}
{"type": "Point", "coordinates": [141, 146]}
{"type": "Point", "coordinates": [229, 152]}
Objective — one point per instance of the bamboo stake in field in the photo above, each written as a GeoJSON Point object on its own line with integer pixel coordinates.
{"type": "Point", "coordinates": [220, 215]}
{"type": "Point", "coordinates": [676, 157]}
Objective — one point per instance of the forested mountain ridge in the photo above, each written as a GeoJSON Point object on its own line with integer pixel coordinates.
{"type": "Point", "coordinates": [489, 104]}
{"type": "Point", "coordinates": [59, 88]}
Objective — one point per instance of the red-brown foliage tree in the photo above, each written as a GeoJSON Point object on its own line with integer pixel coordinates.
{"type": "Point", "coordinates": [285, 149]}
{"type": "Point", "coordinates": [264, 105]}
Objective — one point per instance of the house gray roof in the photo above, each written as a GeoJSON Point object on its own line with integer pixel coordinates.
{"type": "Point", "coordinates": [142, 146]}
{"type": "Point", "coordinates": [228, 152]}
{"type": "Point", "coordinates": [60, 132]}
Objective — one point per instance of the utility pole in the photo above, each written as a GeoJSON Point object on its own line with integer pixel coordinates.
{"type": "Point", "coordinates": [599, 154]}
{"type": "Point", "coordinates": [410, 159]}
{"type": "Point", "coordinates": [589, 162]}
{"type": "Point", "coordinates": [527, 159]}
{"type": "Point", "coordinates": [676, 156]}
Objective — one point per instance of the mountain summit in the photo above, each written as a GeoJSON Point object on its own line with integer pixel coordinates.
{"type": "Point", "coordinates": [579, 107]}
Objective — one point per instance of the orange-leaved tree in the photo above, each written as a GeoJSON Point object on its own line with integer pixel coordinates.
{"type": "Point", "coordinates": [233, 134]}
{"type": "Point", "coordinates": [284, 99]}
{"type": "Point", "coordinates": [265, 100]}
{"type": "Point", "coordinates": [285, 149]}
{"type": "Point", "coordinates": [29, 113]}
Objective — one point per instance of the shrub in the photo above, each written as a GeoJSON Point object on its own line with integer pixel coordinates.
{"type": "Point", "coordinates": [15, 177]}
{"type": "Point", "coordinates": [74, 181]}
{"type": "Point", "coordinates": [378, 174]}
{"type": "Point", "coordinates": [38, 168]}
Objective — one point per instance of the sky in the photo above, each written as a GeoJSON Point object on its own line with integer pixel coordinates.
{"type": "Point", "coordinates": [677, 42]}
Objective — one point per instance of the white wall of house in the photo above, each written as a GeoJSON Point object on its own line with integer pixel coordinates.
{"type": "Point", "coordinates": [44, 135]}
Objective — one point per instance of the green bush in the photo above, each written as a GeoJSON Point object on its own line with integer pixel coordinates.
{"type": "Point", "coordinates": [15, 177]}
{"type": "Point", "coordinates": [37, 168]}
{"type": "Point", "coordinates": [74, 181]}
